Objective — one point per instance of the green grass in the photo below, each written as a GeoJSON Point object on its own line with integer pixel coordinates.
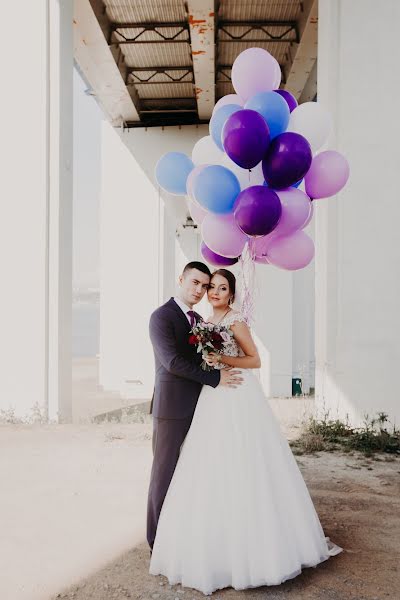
{"type": "Point", "coordinates": [375, 436]}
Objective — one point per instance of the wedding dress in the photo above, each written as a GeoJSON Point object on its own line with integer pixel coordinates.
{"type": "Point", "coordinates": [238, 512]}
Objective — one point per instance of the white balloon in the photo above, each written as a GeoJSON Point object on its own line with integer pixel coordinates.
{"type": "Point", "coordinates": [228, 99]}
{"type": "Point", "coordinates": [205, 151]}
{"type": "Point", "coordinates": [246, 178]}
{"type": "Point", "coordinates": [313, 122]}
{"type": "Point", "coordinates": [278, 76]}
{"type": "Point", "coordinates": [197, 212]}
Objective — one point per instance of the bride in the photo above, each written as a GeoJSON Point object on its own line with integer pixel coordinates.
{"type": "Point", "coordinates": [237, 513]}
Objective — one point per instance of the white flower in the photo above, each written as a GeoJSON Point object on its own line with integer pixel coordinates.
{"type": "Point", "coordinates": [225, 336]}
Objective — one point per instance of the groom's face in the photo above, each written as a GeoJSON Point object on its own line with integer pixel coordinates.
{"type": "Point", "coordinates": [194, 285]}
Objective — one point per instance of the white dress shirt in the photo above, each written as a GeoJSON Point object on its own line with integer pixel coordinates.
{"type": "Point", "coordinates": [184, 307]}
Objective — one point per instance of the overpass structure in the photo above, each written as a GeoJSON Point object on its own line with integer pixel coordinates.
{"type": "Point", "coordinates": [157, 68]}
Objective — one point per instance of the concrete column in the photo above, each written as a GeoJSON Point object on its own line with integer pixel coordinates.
{"type": "Point", "coordinates": [60, 210]}
{"type": "Point", "coordinates": [273, 328]}
{"type": "Point", "coordinates": [129, 268]}
{"type": "Point", "coordinates": [35, 227]}
{"type": "Point", "coordinates": [358, 254]}
{"type": "Point", "coordinates": [303, 322]}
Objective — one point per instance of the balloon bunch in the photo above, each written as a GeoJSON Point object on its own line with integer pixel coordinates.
{"type": "Point", "coordinates": [242, 182]}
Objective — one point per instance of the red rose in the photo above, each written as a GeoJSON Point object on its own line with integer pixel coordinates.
{"type": "Point", "coordinates": [192, 340]}
{"type": "Point", "coordinates": [216, 337]}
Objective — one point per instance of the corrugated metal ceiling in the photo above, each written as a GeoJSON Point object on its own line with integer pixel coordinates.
{"type": "Point", "coordinates": [145, 11]}
{"type": "Point", "coordinates": [152, 50]}
{"type": "Point", "coordinates": [157, 55]}
{"type": "Point", "coordinates": [259, 10]}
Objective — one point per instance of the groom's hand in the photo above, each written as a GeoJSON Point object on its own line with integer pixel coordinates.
{"type": "Point", "coordinates": [230, 378]}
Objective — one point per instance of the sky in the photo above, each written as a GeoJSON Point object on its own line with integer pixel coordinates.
{"type": "Point", "coordinates": [86, 162]}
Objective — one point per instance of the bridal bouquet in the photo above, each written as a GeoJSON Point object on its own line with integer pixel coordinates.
{"type": "Point", "coordinates": [209, 338]}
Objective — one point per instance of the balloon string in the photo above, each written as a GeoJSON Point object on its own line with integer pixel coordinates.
{"type": "Point", "coordinates": [247, 272]}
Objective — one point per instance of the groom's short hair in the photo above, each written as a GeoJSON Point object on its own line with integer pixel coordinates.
{"type": "Point", "coordinates": [197, 265]}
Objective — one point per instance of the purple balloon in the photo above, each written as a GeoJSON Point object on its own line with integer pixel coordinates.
{"type": "Point", "coordinates": [290, 99]}
{"type": "Point", "coordinates": [287, 160]}
{"type": "Point", "coordinates": [257, 210]}
{"type": "Point", "coordinates": [216, 259]}
{"type": "Point", "coordinates": [245, 137]}
{"type": "Point", "coordinates": [328, 174]}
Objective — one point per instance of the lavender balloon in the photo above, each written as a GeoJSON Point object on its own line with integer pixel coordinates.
{"type": "Point", "coordinates": [255, 70]}
{"type": "Point", "coordinates": [222, 235]}
{"type": "Point", "coordinates": [296, 209]}
{"type": "Point", "coordinates": [287, 160]}
{"type": "Point", "coordinates": [291, 252]}
{"type": "Point", "coordinates": [328, 174]}
{"type": "Point", "coordinates": [216, 259]}
{"type": "Point", "coordinates": [261, 246]}
{"type": "Point", "coordinates": [245, 137]}
{"type": "Point", "coordinates": [257, 210]}
{"type": "Point", "coordinates": [290, 99]}
{"type": "Point", "coordinates": [310, 216]}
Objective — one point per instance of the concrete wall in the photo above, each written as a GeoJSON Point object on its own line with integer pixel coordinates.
{"type": "Point", "coordinates": [358, 252]}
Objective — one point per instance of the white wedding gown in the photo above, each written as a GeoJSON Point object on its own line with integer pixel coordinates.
{"type": "Point", "coordinates": [237, 512]}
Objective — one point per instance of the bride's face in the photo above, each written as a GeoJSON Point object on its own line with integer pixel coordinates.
{"type": "Point", "coordinates": [219, 292]}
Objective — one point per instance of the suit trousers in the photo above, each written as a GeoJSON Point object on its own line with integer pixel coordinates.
{"type": "Point", "coordinates": [168, 437]}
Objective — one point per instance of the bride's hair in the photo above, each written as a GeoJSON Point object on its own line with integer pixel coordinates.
{"type": "Point", "coordinates": [231, 281]}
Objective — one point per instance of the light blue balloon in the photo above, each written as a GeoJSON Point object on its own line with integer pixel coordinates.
{"type": "Point", "coordinates": [296, 185]}
{"type": "Point", "coordinates": [172, 171]}
{"type": "Point", "coordinates": [218, 121]}
{"type": "Point", "coordinates": [273, 108]}
{"type": "Point", "coordinates": [216, 189]}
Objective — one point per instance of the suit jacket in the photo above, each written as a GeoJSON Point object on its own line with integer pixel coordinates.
{"type": "Point", "coordinates": [178, 374]}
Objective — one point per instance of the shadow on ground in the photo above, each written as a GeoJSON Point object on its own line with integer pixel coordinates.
{"type": "Point", "coordinates": [358, 502]}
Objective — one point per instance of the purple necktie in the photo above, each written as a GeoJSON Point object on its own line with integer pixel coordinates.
{"type": "Point", "coordinates": [192, 318]}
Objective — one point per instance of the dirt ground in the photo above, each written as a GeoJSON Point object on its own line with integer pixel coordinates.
{"type": "Point", "coordinates": [358, 501]}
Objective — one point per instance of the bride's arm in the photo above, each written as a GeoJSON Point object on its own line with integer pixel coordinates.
{"type": "Point", "coordinates": [251, 358]}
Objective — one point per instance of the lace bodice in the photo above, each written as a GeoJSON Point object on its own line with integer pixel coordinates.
{"type": "Point", "coordinates": [231, 348]}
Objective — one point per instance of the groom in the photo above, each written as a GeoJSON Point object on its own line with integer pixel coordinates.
{"type": "Point", "coordinates": [178, 382]}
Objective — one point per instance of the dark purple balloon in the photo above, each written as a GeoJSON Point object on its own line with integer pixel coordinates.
{"type": "Point", "coordinates": [287, 160]}
{"type": "Point", "coordinates": [245, 137]}
{"type": "Point", "coordinates": [290, 99]}
{"type": "Point", "coordinates": [215, 259]}
{"type": "Point", "coordinates": [257, 210]}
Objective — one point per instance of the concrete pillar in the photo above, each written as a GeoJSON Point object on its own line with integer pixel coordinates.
{"type": "Point", "coordinates": [358, 254]}
{"type": "Point", "coordinates": [36, 225]}
{"type": "Point", "coordinates": [303, 323]}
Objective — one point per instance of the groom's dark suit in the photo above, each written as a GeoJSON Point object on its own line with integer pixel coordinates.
{"type": "Point", "coordinates": [178, 382]}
